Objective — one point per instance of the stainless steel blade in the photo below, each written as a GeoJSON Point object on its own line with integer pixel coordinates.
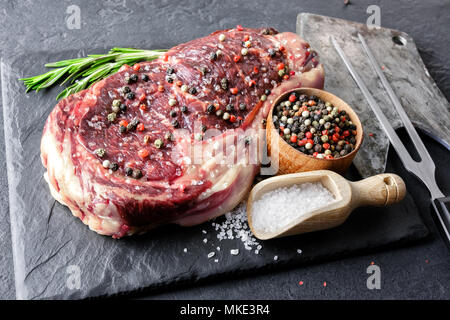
{"type": "Point", "coordinates": [421, 170]}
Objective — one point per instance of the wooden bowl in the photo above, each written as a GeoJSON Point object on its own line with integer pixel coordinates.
{"type": "Point", "coordinates": [291, 160]}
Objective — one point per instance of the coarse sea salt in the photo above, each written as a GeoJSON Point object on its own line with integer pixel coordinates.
{"type": "Point", "coordinates": [235, 226]}
{"type": "Point", "coordinates": [278, 208]}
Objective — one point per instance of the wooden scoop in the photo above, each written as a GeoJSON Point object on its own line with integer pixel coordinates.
{"type": "Point", "coordinates": [379, 190]}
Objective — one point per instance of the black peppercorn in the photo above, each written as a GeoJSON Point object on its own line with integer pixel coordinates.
{"type": "Point", "coordinates": [170, 70]}
{"type": "Point", "coordinates": [173, 113]}
{"type": "Point", "coordinates": [133, 77]}
{"type": "Point", "coordinates": [175, 123]}
{"type": "Point", "coordinates": [137, 174]}
{"type": "Point", "coordinates": [144, 77]}
{"type": "Point", "coordinates": [272, 52]}
{"type": "Point", "coordinates": [126, 89]}
{"type": "Point", "coordinates": [114, 166]}
{"type": "Point", "coordinates": [267, 92]}
{"type": "Point", "coordinates": [184, 109]}
{"type": "Point", "coordinates": [123, 107]}
{"type": "Point", "coordinates": [130, 95]}
{"type": "Point", "coordinates": [128, 171]}
{"type": "Point", "coordinates": [192, 90]}
{"type": "Point", "coordinates": [122, 129]}
{"type": "Point", "coordinates": [211, 108]}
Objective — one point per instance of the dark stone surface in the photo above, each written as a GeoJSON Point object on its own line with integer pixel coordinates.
{"type": "Point", "coordinates": [32, 26]}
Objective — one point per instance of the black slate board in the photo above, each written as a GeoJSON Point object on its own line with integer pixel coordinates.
{"type": "Point", "coordinates": [47, 240]}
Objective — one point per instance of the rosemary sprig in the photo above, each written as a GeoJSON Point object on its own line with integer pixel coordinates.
{"type": "Point", "coordinates": [81, 73]}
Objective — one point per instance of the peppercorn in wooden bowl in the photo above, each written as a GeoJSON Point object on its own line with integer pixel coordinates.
{"type": "Point", "coordinates": [311, 129]}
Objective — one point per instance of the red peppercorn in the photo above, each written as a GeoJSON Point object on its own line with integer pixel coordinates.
{"type": "Point", "coordinates": [234, 90]}
{"type": "Point", "coordinates": [329, 156]}
{"type": "Point", "coordinates": [136, 67]}
{"type": "Point", "coordinates": [140, 127]}
{"type": "Point", "coordinates": [335, 137]}
{"type": "Point", "coordinates": [346, 133]}
{"type": "Point", "coordinates": [292, 73]}
{"type": "Point", "coordinates": [337, 129]}
{"type": "Point", "coordinates": [179, 83]}
{"type": "Point", "coordinates": [292, 98]}
{"type": "Point", "coordinates": [301, 143]}
{"type": "Point", "coordinates": [286, 77]}
{"type": "Point", "coordinates": [236, 58]}
{"type": "Point", "coordinates": [166, 58]}
{"type": "Point", "coordinates": [233, 118]}
{"type": "Point", "coordinates": [143, 153]}
{"type": "Point", "coordinates": [123, 123]}
{"type": "Point", "coordinates": [293, 138]}
{"type": "Point", "coordinates": [239, 28]}
{"type": "Point", "coordinates": [251, 83]}
{"type": "Point", "coordinates": [280, 66]}
{"type": "Point", "coordinates": [308, 135]}
{"type": "Point", "coordinates": [255, 70]}
{"type": "Point", "coordinates": [315, 154]}
{"type": "Point", "coordinates": [160, 88]}
{"type": "Point", "coordinates": [310, 141]}
{"type": "Point", "coordinates": [326, 146]}
{"type": "Point", "coordinates": [142, 97]}
{"type": "Point", "coordinates": [281, 48]}
{"type": "Point", "coordinates": [143, 107]}
{"type": "Point", "coordinates": [325, 132]}
{"type": "Point", "coordinates": [311, 103]}
{"type": "Point", "coordinates": [246, 38]}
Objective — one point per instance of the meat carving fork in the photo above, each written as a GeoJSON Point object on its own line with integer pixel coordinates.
{"type": "Point", "coordinates": [424, 169]}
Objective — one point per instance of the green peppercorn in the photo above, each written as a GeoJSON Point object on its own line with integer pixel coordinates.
{"type": "Point", "coordinates": [224, 83]}
{"type": "Point", "coordinates": [168, 136]}
{"type": "Point", "coordinates": [226, 116]}
{"type": "Point", "coordinates": [158, 143]}
{"type": "Point", "coordinates": [116, 103]}
{"type": "Point", "coordinates": [112, 117]}
{"type": "Point", "coordinates": [100, 152]}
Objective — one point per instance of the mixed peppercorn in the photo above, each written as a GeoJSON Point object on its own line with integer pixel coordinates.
{"type": "Point", "coordinates": [230, 113]}
{"type": "Point", "coordinates": [315, 127]}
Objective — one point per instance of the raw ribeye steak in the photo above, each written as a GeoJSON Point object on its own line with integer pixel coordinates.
{"type": "Point", "coordinates": [123, 154]}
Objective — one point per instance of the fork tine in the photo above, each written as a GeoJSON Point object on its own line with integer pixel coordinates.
{"type": "Point", "coordinates": [420, 147]}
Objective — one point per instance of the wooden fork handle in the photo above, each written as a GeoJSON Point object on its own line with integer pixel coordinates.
{"type": "Point", "coordinates": [380, 190]}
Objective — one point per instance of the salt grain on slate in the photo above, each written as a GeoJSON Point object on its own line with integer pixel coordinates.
{"type": "Point", "coordinates": [211, 254]}
{"type": "Point", "coordinates": [236, 226]}
{"type": "Point", "coordinates": [278, 208]}
{"type": "Point", "coordinates": [234, 252]}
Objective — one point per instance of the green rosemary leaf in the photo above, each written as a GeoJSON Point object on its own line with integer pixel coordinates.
{"type": "Point", "coordinates": [81, 73]}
